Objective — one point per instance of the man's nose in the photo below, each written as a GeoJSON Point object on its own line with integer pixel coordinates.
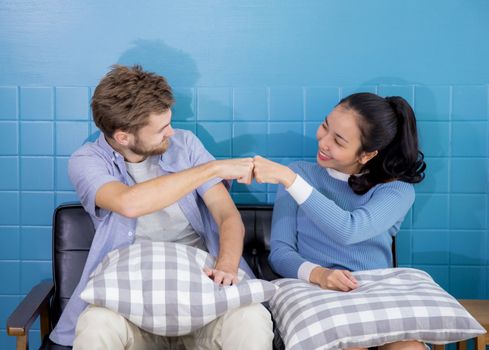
{"type": "Point", "coordinates": [170, 131]}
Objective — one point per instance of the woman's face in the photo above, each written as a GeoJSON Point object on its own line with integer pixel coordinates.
{"type": "Point", "coordinates": [339, 142]}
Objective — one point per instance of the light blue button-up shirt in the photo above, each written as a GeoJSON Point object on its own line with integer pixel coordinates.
{"type": "Point", "coordinates": [96, 164]}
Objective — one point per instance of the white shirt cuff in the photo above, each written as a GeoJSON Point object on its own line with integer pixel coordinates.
{"type": "Point", "coordinates": [300, 190]}
{"type": "Point", "coordinates": [305, 270]}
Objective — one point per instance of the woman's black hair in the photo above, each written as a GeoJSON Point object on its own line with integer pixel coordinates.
{"type": "Point", "coordinates": [388, 126]}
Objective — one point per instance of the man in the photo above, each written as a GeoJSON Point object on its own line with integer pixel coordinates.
{"type": "Point", "coordinates": [144, 180]}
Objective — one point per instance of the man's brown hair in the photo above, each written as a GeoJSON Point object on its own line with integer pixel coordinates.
{"type": "Point", "coordinates": [125, 98]}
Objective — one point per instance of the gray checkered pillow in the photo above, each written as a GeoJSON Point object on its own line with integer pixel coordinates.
{"type": "Point", "coordinates": [161, 287]}
{"type": "Point", "coordinates": [389, 305]}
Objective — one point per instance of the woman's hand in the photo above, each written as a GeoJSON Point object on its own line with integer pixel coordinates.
{"type": "Point", "coordinates": [341, 280]}
{"type": "Point", "coordinates": [267, 171]}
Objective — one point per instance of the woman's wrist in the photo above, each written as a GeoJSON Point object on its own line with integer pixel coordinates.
{"type": "Point", "coordinates": [288, 178]}
{"type": "Point", "coordinates": [315, 276]}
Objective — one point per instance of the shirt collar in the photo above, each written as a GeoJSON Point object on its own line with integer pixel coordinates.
{"type": "Point", "coordinates": [169, 161]}
{"type": "Point", "coordinates": [102, 142]}
{"type": "Point", "coordinates": [338, 175]}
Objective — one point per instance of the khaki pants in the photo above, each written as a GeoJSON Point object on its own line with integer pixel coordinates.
{"type": "Point", "coordinates": [248, 327]}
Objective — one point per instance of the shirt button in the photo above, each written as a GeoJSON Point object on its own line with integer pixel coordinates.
{"type": "Point", "coordinates": [130, 233]}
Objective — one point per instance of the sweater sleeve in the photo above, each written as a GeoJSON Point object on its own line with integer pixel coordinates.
{"type": "Point", "coordinates": [387, 206]}
{"type": "Point", "coordinates": [284, 258]}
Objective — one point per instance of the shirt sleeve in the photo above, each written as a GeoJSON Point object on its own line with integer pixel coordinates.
{"type": "Point", "coordinates": [300, 190]}
{"type": "Point", "coordinates": [305, 270]}
{"type": "Point", "coordinates": [88, 173]}
{"type": "Point", "coordinates": [199, 155]}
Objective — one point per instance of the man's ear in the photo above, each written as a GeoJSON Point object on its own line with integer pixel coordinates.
{"type": "Point", "coordinates": [366, 156]}
{"type": "Point", "coordinates": [121, 137]}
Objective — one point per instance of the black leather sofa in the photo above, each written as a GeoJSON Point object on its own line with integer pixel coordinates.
{"type": "Point", "coordinates": [72, 236]}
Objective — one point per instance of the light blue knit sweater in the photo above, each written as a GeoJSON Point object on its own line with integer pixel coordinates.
{"type": "Point", "coordinates": [335, 227]}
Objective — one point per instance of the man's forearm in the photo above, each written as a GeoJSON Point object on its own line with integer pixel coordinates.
{"type": "Point", "coordinates": [231, 245]}
{"type": "Point", "coordinates": [155, 194]}
{"type": "Point", "coordinates": [149, 196]}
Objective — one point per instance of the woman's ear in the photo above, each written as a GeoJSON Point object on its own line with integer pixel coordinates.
{"type": "Point", "coordinates": [366, 156]}
{"type": "Point", "coordinates": [121, 137]}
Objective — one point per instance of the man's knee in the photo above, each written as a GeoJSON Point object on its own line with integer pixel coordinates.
{"type": "Point", "coordinates": [95, 315]}
{"type": "Point", "coordinates": [98, 321]}
{"type": "Point", "coordinates": [248, 327]}
{"type": "Point", "coordinates": [249, 318]}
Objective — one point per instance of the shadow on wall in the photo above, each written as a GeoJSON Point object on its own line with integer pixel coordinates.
{"type": "Point", "coordinates": [175, 65]}
{"type": "Point", "coordinates": [155, 56]}
{"type": "Point", "coordinates": [178, 68]}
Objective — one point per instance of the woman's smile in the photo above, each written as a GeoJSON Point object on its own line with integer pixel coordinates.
{"type": "Point", "coordinates": [322, 156]}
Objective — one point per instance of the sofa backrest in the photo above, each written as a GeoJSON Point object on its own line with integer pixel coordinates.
{"type": "Point", "coordinates": [73, 233]}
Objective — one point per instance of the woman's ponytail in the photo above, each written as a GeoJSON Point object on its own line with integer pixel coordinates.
{"type": "Point", "coordinates": [403, 159]}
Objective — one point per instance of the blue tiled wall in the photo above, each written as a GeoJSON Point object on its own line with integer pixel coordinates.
{"type": "Point", "coordinates": [445, 233]}
{"type": "Point", "coordinates": [250, 78]}
{"type": "Point", "coordinates": [447, 226]}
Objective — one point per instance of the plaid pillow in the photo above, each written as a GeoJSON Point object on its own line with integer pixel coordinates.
{"type": "Point", "coordinates": [389, 305]}
{"type": "Point", "coordinates": [161, 288]}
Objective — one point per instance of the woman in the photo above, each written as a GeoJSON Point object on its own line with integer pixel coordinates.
{"type": "Point", "coordinates": [339, 214]}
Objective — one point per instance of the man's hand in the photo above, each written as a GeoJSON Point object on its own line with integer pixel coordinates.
{"type": "Point", "coordinates": [341, 280]}
{"type": "Point", "coordinates": [221, 277]}
{"type": "Point", "coordinates": [240, 169]}
{"type": "Point", "coordinates": [267, 171]}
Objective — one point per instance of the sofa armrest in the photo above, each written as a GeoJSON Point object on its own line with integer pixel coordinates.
{"type": "Point", "coordinates": [34, 304]}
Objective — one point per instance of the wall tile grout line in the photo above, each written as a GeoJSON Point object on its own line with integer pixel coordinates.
{"type": "Point", "coordinates": [449, 204]}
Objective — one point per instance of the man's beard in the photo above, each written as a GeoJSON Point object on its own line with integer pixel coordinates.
{"type": "Point", "coordinates": [138, 149]}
